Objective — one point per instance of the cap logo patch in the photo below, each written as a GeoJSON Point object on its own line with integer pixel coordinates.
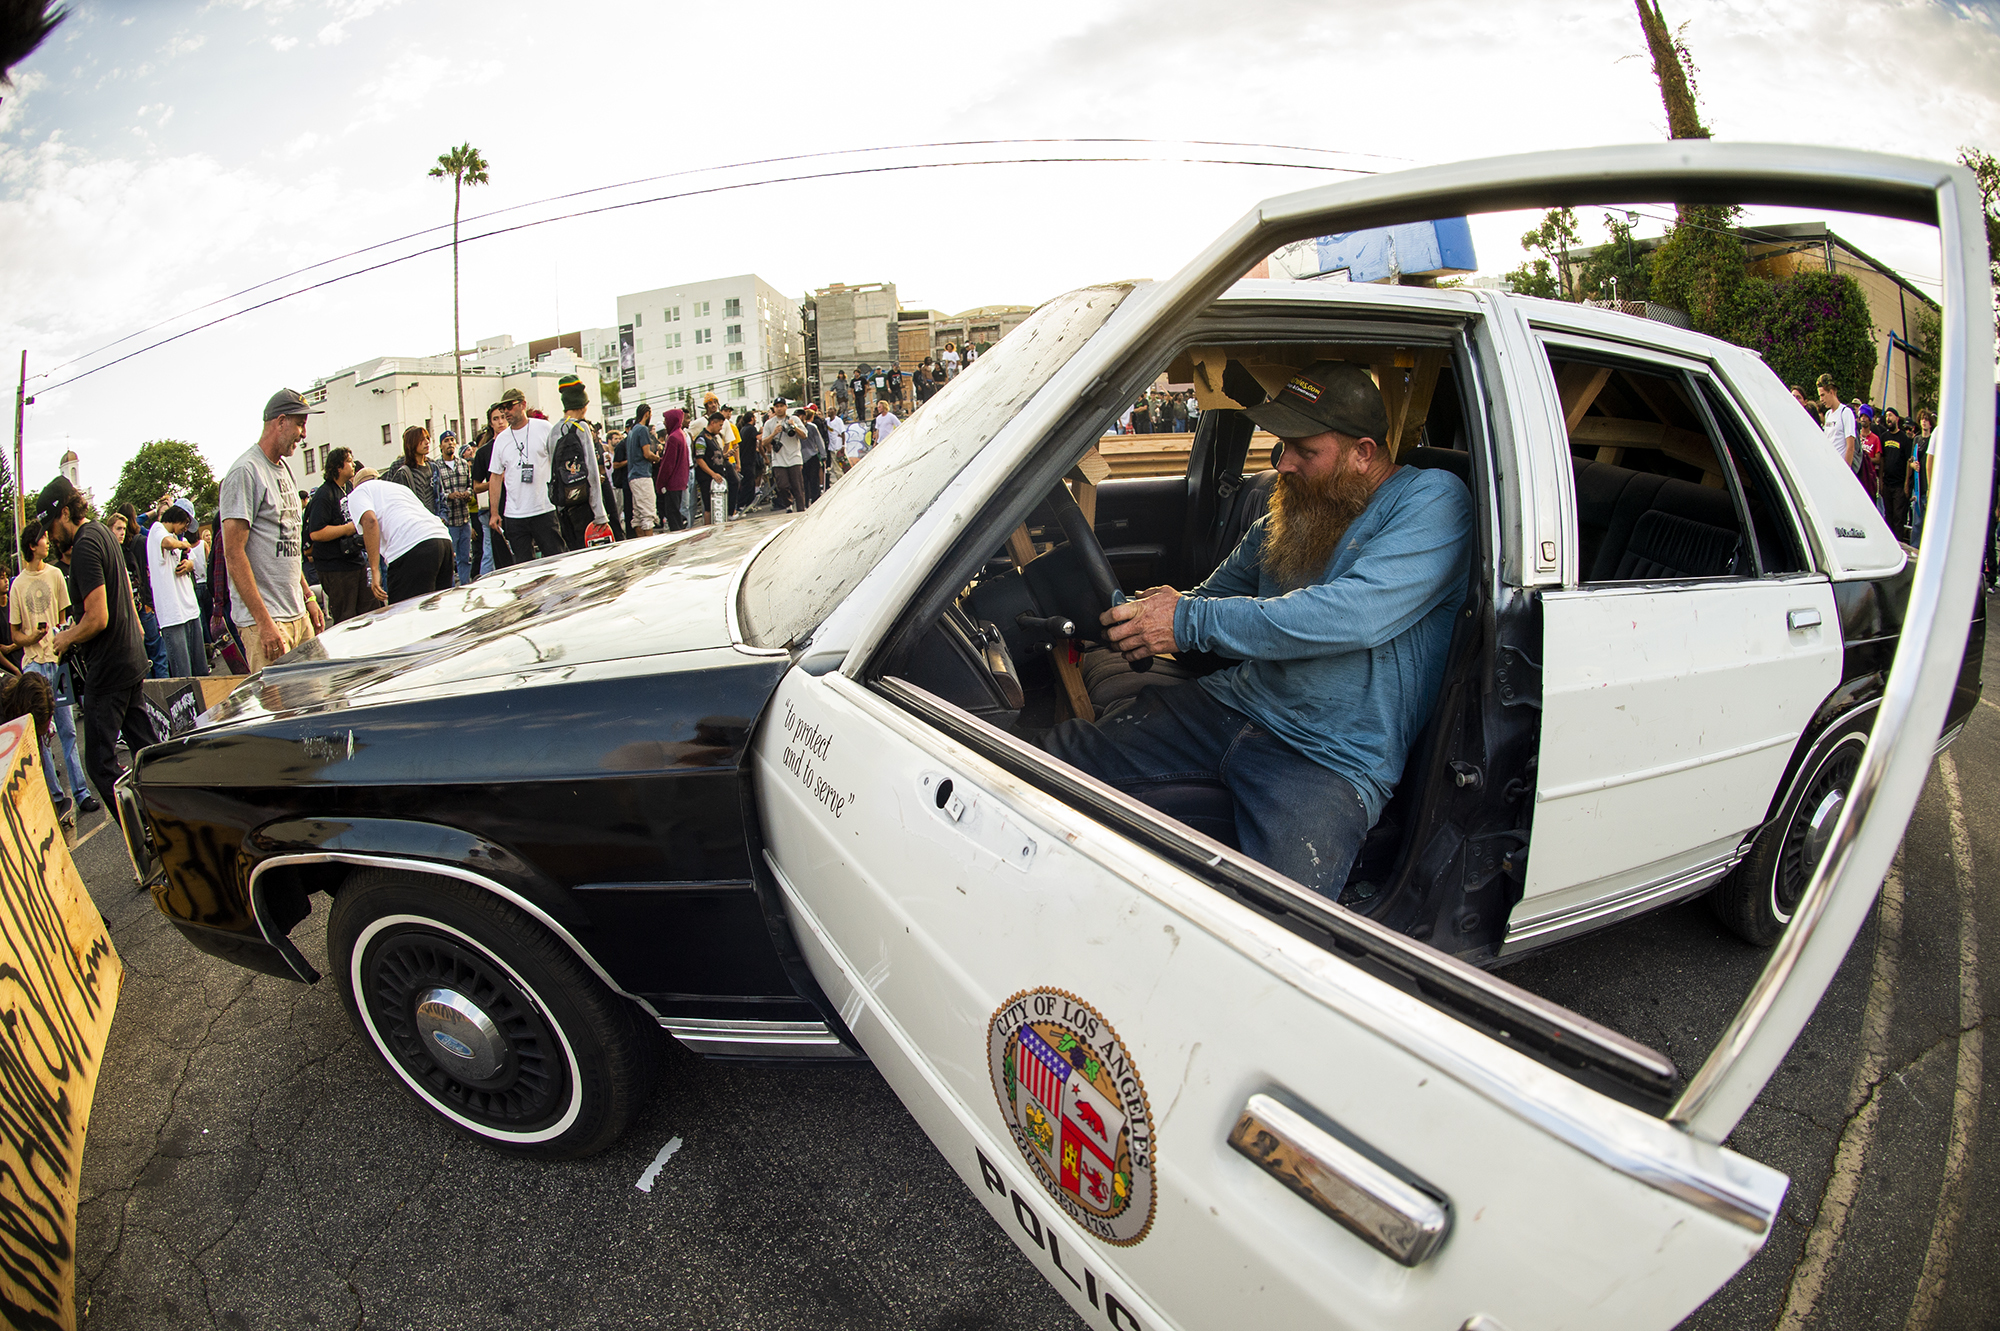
{"type": "Point", "coordinates": [1300, 386]}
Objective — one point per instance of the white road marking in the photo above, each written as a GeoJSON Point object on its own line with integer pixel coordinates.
{"type": "Point", "coordinates": [645, 1183]}
{"type": "Point", "coordinates": [1864, 1108]}
{"type": "Point", "coordinates": [91, 833]}
{"type": "Point", "coordinates": [1971, 1068]}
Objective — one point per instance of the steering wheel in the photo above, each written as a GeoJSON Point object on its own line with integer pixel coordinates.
{"type": "Point", "coordinates": [1102, 583]}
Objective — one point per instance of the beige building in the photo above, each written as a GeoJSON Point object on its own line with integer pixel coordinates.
{"type": "Point", "coordinates": [368, 406]}
{"type": "Point", "coordinates": [980, 327]}
{"type": "Point", "coordinates": [1893, 303]}
{"type": "Point", "coordinates": [856, 327]}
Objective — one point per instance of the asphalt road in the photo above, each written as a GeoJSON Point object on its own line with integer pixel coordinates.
{"type": "Point", "coordinates": [251, 1165]}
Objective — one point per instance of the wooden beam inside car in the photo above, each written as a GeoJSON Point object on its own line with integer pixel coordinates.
{"type": "Point", "coordinates": [1686, 446]}
{"type": "Point", "coordinates": [1578, 386]}
{"type": "Point", "coordinates": [1417, 406]}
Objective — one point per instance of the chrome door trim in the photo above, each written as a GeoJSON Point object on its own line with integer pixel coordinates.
{"type": "Point", "coordinates": [1390, 1213]}
{"type": "Point", "coordinates": [1922, 675]}
{"type": "Point", "coordinates": [1620, 1138]}
{"type": "Point", "coordinates": [1633, 901]}
{"type": "Point", "coordinates": [304, 969]}
{"type": "Point", "coordinates": [745, 1038]}
{"type": "Point", "coordinates": [1590, 784]}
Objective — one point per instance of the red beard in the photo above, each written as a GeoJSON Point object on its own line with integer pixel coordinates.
{"type": "Point", "coordinates": [1308, 519]}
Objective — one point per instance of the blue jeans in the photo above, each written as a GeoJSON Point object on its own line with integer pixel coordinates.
{"type": "Point", "coordinates": [1292, 814]}
{"type": "Point", "coordinates": [461, 549]}
{"type": "Point", "coordinates": [487, 538]}
{"type": "Point", "coordinates": [156, 648]}
{"type": "Point", "coordinates": [65, 732]}
{"type": "Point", "coordinates": [186, 657]}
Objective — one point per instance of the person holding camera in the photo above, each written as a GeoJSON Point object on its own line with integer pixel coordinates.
{"type": "Point", "coordinates": [336, 542]}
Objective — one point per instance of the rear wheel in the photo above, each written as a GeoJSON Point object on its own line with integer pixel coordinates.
{"type": "Point", "coordinates": [1758, 900]}
{"type": "Point", "coordinates": [488, 1019]}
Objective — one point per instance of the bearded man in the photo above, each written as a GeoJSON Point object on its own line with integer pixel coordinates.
{"type": "Point", "coordinates": [1338, 603]}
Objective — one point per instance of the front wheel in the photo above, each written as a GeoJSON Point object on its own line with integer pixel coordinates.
{"type": "Point", "coordinates": [489, 1020]}
{"type": "Point", "coordinates": [1758, 900]}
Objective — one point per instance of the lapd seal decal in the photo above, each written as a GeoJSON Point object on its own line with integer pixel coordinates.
{"type": "Point", "coordinates": [1077, 1109]}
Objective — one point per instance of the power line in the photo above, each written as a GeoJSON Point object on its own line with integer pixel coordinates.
{"type": "Point", "coordinates": [691, 171]}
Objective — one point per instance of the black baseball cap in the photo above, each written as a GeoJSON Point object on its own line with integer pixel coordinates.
{"type": "Point", "coordinates": [53, 496]}
{"type": "Point", "coordinates": [285, 402]}
{"type": "Point", "coordinates": [1328, 395]}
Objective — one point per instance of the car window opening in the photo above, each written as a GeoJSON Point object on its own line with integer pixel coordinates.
{"type": "Point", "coordinates": [1000, 651]}
{"type": "Point", "coordinates": [1659, 496]}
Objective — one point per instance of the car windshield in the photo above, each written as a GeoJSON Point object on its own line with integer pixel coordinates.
{"type": "Point", "coordinates": [799, 577]}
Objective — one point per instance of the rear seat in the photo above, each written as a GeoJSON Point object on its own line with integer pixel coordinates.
{"type": "Point", "coordinates": [1636, 526]}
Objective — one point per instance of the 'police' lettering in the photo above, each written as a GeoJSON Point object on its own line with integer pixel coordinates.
{"type": "Point", "coordinates": [1116, 1314]}
{"type": "Point", "coordinates": [1055, 1251]}
{"type": "Point", "coordinates": [989, 1175]}
{"type": "Point", "coordinates": [1030, 1224]}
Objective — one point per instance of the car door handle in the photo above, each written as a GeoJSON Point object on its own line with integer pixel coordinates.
{"type": "Point", "coordinates": [1802, 619]}
{"type": "Point", "coordinates": [1389, 1212]}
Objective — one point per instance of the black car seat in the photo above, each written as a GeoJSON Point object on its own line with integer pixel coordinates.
{"type": "Point", "coordinates": [1639, 526]}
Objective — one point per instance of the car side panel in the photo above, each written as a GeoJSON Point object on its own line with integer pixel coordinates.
{"type": "Point", "coordinates": [614, 806]}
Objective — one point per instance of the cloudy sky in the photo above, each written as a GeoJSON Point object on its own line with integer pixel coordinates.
{"type": "Point", "coordinates": [156, 157]}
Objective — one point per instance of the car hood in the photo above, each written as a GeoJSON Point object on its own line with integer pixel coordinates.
{"type": "Point", "coordinates": [556, 618]}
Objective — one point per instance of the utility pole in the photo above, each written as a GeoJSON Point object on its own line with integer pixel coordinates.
{"type": "Point", "coordinates": [20, 482]}
{"type": "Point", "coordinates": [809, 313]}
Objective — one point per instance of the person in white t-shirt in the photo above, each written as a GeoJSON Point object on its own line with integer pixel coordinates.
{"type": "Point", "coordinates": [856, 442]}
{"type": "Point", "coordinates": [409, 547]}
{"type": "Point", "coordinates": [171, 572]}
{"type": "Point", "coordinates": [520, 485]}
{"type": "Point", "coordinates": [886, 422]}
{"type": "Point", "coordinates": [1839, 428]}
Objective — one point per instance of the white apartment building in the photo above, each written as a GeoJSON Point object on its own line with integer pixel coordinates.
{"type": "Point", "coordinates": [738, 337]}
{"type": "Point", "coordinates": [368, 406]}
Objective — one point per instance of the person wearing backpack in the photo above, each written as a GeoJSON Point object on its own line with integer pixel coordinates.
{"type": "Point", "coordinates": [574, 488]}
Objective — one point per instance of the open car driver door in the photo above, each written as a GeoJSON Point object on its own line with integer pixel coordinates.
{"type": "Point", "coordinates": [1193, 1093]}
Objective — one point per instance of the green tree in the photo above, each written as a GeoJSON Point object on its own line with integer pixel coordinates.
{"type": "Point", "coordinates": [1621, 261]}
{"type": "Point", "coordinates": [465, 167]}
{"type": "Point", "coordinates": [1550, 275]}
{"type": "Point", "coordinates": [1986, 170]}
{"type": "Point", "coordinates": [162, 465]}
{"type": "Point", "coordinates": [1924, 368]}
{"type": "Point", "coordinates": [1805, 325]}
{"type": "Point", "coordinates": [1700, 268]}
{"type": "Point", "coordinates": [609, 393]}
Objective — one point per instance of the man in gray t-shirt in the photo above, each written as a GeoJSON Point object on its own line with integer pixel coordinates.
{"type": "Point", "coordinates": [270, 601]}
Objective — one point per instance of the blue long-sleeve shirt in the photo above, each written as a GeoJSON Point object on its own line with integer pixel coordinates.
{"type": "Point", "coordinates": [1344, 669]}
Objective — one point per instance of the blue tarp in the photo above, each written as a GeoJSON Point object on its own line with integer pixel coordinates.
{"type": "Point", "coordinates": [1420, 249]}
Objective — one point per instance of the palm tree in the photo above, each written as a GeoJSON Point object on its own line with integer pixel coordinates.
{"type": "Point", "coordinates": [465, 167]}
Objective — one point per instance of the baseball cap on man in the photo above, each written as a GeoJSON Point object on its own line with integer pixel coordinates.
{"type": "Point", "coordinates": [53, 496]}
{"type": "Point", "coordinates": [513, 395]}
{"type": "Point", "coordinates": [1328, 395]}
{"type": "Point", "coordinates": [285, 402]}
{"type": "Point", "coordinates": [179, 508]}
{"type": "Point", "coordinates": [778, 402]}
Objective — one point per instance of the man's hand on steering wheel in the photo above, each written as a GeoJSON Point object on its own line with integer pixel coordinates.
{"type": "Point", "coordinates": [1144, 625]}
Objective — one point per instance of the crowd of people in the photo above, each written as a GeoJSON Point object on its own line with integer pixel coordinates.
{"type": "Point", "coordinates": [1161, 412]}
{"type": "Point", "coordinates": [99, 607]}
{"type": "Point", "coordinates": [850, 394]}
{"type": "Point", "coordinates": [1886, 453]}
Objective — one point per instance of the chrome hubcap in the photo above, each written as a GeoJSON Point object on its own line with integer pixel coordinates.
{"type": "Point", "coordinates": [1819, 827]}
{"type": "Point", "coordinates": [459, 1037]}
